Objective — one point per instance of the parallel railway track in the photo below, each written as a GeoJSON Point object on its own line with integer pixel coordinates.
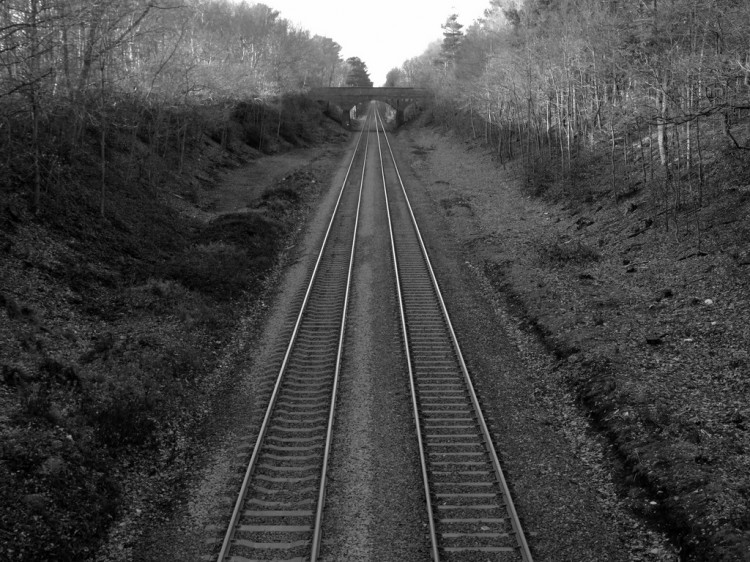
{"type": "Point", "coordinates": [279, 509]}
{"type": "Point", "coordinates": [470, 510]}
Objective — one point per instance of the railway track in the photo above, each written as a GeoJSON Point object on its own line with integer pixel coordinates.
{"type": "Point", "coordinates": [279, 509]}
{"type": "Point", "coordinates": [470, 510]}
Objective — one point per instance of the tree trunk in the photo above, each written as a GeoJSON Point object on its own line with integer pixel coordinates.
{"type": "Point", "coordinates": [677, 182]}
{"type": "Point", "coordinates": [569, 128]}
{"type": "Point", "coordinates": [182, 146]}
{"type": "Point", "coordinates": [560, 131]}
{"type": "Point", "coordinates": [35, 109]}
{"type": "Point", "coordinates": [661, 127]}
{"type": "Point", "coordinates": [612, 160]}
{"type": "Point", "coordinates": [651, 151]}
{"type": "Point", "coordinates": [103, 143]}
{"type": "Point", "coordinates": [701, 177]}
{"type": "Point", "coordinates": [548, 126]}
{"type": "Point", "coordinates": [88, 48]}
{"type": "Point", "coordinates": [643, 153]}
{"type": "Point", "coordinates": [65, 48]}
{"type": "Point", "coordinates": [471, 120]}
{"type": "Point", "coordinates": [488, 127]}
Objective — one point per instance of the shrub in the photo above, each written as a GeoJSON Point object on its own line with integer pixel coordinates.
{"type": "Point", "coordinates": [253, 117]}
{"type": "Point", "coordinates": [158, 296]}
{"type": "Point", "coordinates": [165, 288]}
{"type": "Point", "coordinates": [197, 314]}
{"type": "Point", "coordinates": [230, 253]}
{"type": "Point", "coordinates": [539, 177]}
{"type": "Point", "coordinates": [36, 403]}
{"type": "Point", "coordinates": [255, 234]}
{"type": "Point", "coordinates": [277, 202]}
{"type": "Point", "coordinates": [122, 409]}
{"type": "Point", "coordinates": [561, 253]}
{"type": "Point", "coordinates": [217, 269]}
{"type": "Point", "coordinates": [58, 513]}
{"type": "Point", "coordinates": [284, 193]}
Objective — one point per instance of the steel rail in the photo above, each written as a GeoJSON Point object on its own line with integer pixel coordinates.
{"type": "Point", "coordinates": [317, 528]}
{"type": "Point", "coordinates": [412, 384]}
{"type": "Point", "coordinates": [512, 513]}
{"type": "Point", "coordinates": [232, 526]}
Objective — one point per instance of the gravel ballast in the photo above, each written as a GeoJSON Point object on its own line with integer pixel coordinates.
{"type": "Point", "coordinates": [374, 506]}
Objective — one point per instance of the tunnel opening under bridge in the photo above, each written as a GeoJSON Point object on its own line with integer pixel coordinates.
{"type": "Point", "coordinates": [404, 103]}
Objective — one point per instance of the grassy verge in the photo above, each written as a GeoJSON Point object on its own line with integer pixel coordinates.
{"type": "Point", "coordinates": [650, 329]}
{"type": "Point", "coordinates": [111, 325]}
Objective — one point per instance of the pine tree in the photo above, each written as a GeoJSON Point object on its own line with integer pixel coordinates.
{"type": "Point", "coordinates": [358, 74]}
{"type": "Point", "coordinates": [452, 39]}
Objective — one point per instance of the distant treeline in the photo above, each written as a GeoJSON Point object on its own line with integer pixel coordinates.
{"type": "Point", "coordinates": [68, 67]}
{"type": "Point", "coordinates": [557, 80]}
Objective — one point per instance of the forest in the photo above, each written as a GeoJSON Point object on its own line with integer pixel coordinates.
{"type": "Point", "coordinates": [114, 303]}
{"type": "Point", "coordinates": [139, 67]}
{"type": "Point", "coordinates": [569, 84]}
{"type": "Point", "coordinates": [626, 125]}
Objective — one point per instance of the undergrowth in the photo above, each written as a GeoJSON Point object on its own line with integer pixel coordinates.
{"type": "Point", "coordinates": [109, 335]}
{"type": "Point", "coordinates": [638, 286]}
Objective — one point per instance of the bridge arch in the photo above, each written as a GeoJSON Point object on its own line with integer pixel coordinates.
{"type": "Point", "coordinates": [398, 98]}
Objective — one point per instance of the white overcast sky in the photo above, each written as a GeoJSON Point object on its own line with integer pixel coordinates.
{"type": "Point", "coordinates": [383, 34]}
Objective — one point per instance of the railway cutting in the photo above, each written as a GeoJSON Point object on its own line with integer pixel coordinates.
{"type": "Point", "coordinates": [281, 503]}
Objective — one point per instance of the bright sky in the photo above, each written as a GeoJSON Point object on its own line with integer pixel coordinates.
{"type": "Point", "coordinates": [383, 34]}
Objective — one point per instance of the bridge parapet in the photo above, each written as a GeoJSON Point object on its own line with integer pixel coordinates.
{"type": "Point", "coordinates": [346, 98]}
{"type": "Point", "coordinates": [353, 96]}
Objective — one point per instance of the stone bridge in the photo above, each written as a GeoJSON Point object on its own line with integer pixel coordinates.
{"type": "Point", "coordinates": [346, 98]}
